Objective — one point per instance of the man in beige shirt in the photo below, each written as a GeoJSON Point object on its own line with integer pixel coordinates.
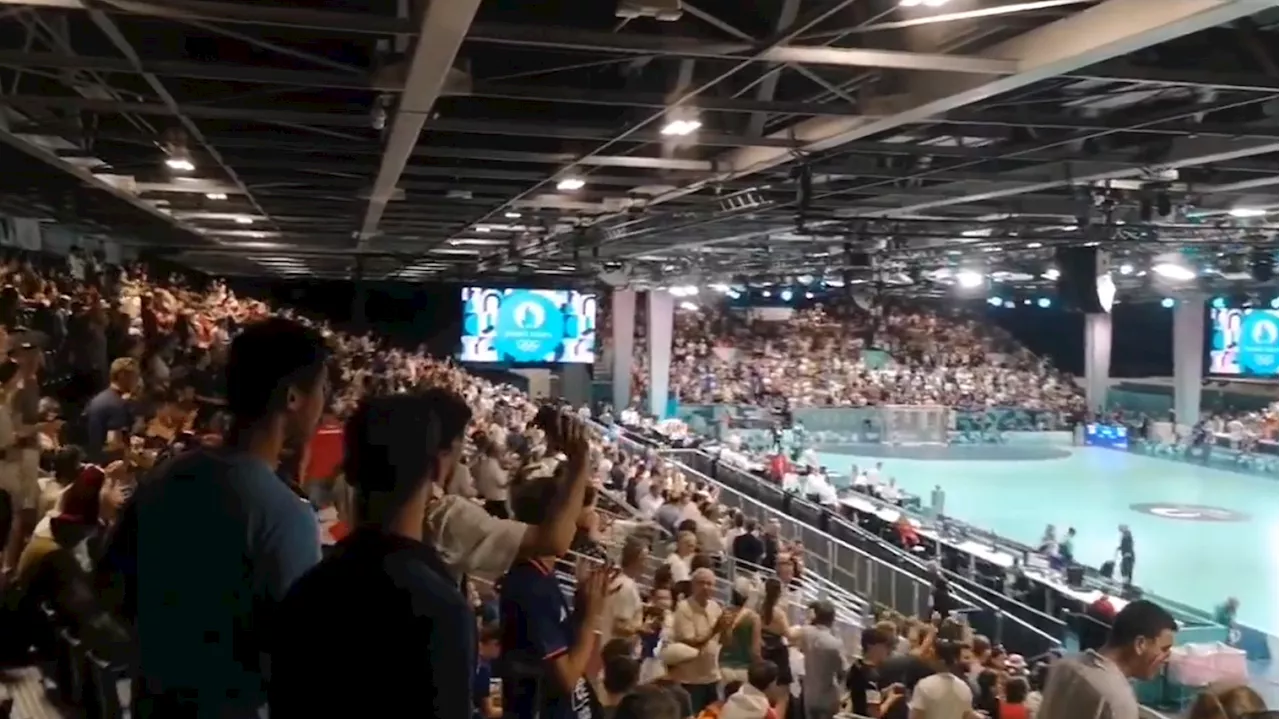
{"type": "Point", "coordinates": [697, 623]}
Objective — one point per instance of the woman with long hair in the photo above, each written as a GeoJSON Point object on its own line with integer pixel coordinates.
{"type": "Point", "coordinates": [740, 638]}
{"type": "Point", "coordinates": [774, 629]}
{"type": "Point", "coordinates": [1227, 701]}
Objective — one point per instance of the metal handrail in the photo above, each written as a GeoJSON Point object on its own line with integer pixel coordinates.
{"type": "Point", "coordinates": [958, 591]}
{"type": "Point", "coordinates": [836, 550]}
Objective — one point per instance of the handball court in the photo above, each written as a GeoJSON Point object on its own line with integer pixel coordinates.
{"type": "Point", "coordinates": [1201, 535]}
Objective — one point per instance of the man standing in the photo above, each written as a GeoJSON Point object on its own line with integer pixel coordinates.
{"type": "Point", "coordinates": [697, 622]}
{"type": "Point", "coordinates": [1125, 550]}
{"type": "Point", "coordinates": [1096, 683]}
{"type": "Point", "coordinates": [384, 596]}
{"type": "Point", "coordinates": [222, 538]}
{"type": "Point", "coordinates": [823, 664]}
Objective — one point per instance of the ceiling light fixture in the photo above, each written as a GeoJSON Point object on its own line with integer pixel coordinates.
{"type": "Point", "coordinates": [570, 184]}
{"type": "Point", "coordinates": [1174, 271]}
{"type": "Point", "coordinates": [180, 164]}
{"type": "Point", "coordinates": [681, 128]}
{"type": "Point", "coordinates": [1246, 212]}
{"type": "Point", "coordinates": [215, 195]}
{"type": "Point", "coordinates": [243, 220]}
{"type": "Point", "coordinates": [512, 215]}
{"type": "Point", "coordinates": [968, 279]}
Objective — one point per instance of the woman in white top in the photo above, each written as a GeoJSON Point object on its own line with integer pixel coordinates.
{"type": "Point", "coordinates": [489, 476]}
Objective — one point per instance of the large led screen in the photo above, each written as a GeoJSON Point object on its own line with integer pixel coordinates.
{"type": "Point", "coordinates": [528, 326]}
{"type": "Point", "coordinates": [1244, 342]}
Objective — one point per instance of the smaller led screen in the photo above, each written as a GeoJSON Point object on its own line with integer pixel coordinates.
{"type": "Point", "coordinates": [1244, 342]}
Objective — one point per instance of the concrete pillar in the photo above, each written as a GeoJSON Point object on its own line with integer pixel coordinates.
{"type": "Point", "coordinates": [624, 345]}
{"type": "Point", "coordinates": [662, 314]}
{"type": "Point", "coordinates": [1188, 358]}
{"type": "Point", "coordinates": [1097, 359]}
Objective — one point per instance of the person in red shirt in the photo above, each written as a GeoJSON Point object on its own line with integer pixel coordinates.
{"type": "Point", "coordinates": [322, 458]}
{"type": "Point", "coordinates": [1102, 609]}
{"type": "Point", "coordinates": [779, 467]}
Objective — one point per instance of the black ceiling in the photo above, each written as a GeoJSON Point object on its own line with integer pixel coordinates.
{"type": "Point", "coordinates": [855, 136]}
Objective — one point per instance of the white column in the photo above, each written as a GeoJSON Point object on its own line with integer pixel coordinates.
{"type": "Point", "coordinates": [662, 308]}
{"type": "Point", "coordinates": [1188, 358]}
{"type": "Point", "coordinates": [624, 346]}
{"type": "Point", "coordinates": [1097, 359]}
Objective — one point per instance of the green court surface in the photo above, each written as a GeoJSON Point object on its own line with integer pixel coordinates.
{"type": "Point", "coordinates": [1201, 535]}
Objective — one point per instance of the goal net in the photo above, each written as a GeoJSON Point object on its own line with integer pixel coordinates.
{"type": "Point", "coordinates": [914, 424]}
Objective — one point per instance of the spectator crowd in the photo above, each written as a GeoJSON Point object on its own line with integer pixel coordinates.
{"type": "Point", "coordinates": [248, 511]}
{"type": "Point", "coordinates": [841, 355]}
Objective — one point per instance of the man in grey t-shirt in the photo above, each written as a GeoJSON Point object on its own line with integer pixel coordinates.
{"type": "Point", "coordinates": [824, 667]}
{"type": "Point", "coordinates": [1095, 684]}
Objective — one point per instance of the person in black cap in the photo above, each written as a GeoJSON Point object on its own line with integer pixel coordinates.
{"type": "Point", "coordinates": [384, 601]}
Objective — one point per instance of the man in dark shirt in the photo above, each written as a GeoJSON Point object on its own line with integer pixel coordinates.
{"type": "Point", "coordinates": [748, 547]}
{"type": "Point", "coordinates": [222, 538]}
{"type": "Point", "coordinates": [109, 410]}
{"type": "Point", "coordinates": [384, 601]}
{"type": "Point", "coordinates": [868, 697]}
{"type": "Point", "coordinates": [547, 646]}
{"type": "Point", "coordinates": [1125, 550]}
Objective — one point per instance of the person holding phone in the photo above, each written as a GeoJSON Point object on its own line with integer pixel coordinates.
{"type": "Point", "coordinates": [471, 541]}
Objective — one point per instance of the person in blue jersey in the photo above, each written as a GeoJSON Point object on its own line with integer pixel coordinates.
{"type": "Point", "coordinates": [546, 644]}
{"type": "Point", "coordinates": [211, 542]}
{"type": "Point", "coordinates": [383, 603]}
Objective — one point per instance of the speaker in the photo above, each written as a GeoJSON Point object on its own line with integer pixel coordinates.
{"type": "Point", "coordinates": [1084, 279]}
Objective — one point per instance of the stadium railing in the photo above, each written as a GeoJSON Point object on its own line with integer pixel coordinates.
{"type": "Point", "coordinates": [817, 524]}
{"type": "Point", "coordinates": [843, 565]}
{"type": "Point", "coordinates": [849, 423]}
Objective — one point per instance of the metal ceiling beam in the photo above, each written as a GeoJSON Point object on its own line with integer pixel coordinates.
{"type": "Point", "coordinates": [1110, 29]}
{"type": "Point", "coordinates": [122, 44]}
{"type": "Point", "coordinates": [341, 23]}
{"type": "Point", "coordinates": [553, 38]}
{"type": "Point", "coordinates": [1186, 152]}
{"type": "Point", "coordinates": [224, 72]}
{"type": "Point", "coordinates": [199, 112]}
{"type": "Point", "coordinates": [654, 100]}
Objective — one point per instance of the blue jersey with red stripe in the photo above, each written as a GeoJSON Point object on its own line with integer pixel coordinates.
{"type": "Point", "coordinates": [537, 627]}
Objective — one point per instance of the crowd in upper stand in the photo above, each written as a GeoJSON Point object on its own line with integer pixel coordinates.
{"type": "Point", "coordinates": [247, 510]}
{"type": "Point", "coordinates": [831, 355]}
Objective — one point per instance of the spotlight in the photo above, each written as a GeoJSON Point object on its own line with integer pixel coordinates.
{"type": "Point", "coordinates": [243, 220]}
{"type": "Point", "coordinates": [786, 295]}
{"type": "Point", "coordinates": [180, 164]}
{"type": "Point", "coordinates": [570, 184]}
{"type": "Point", "coordinates": [512, 215]}
{"type": "Point", "coordinates": [968, 279]}
{"type": "Point", "coordinates": [1246, 212]}
{"type": "Point", "coordinates": [766, 293]}
{"type": "Point", "coordinates": [808, 295]}
{"type": "Point", "coordinates": [1126, 269]}
{"type": "Point", "coordinates": [1044, 303]}
{"type": "Point", "coordinates": [215, 195]}
{"type": "Point", "coordinates": [680, 128]}
{"type": "Point", "coordinates": [1051, 274]}
{"type": "Point", "coordinates": [1173, 271]}
{"type": "Point", "coordinates": [1167, 303]}
{"type": "Point", "coordinates": [995, 301]}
